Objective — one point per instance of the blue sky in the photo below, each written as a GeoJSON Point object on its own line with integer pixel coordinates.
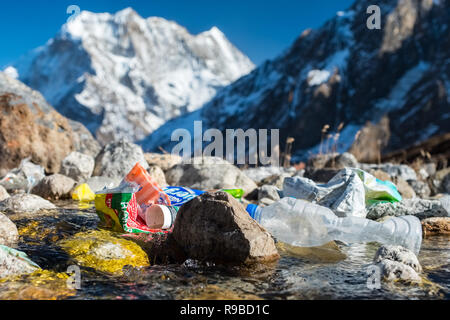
{"type": "Point", "coordinates": [261, 29]}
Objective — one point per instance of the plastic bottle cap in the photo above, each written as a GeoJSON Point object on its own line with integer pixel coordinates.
{"type": "Point", "coordinates": [167, 217]}
{"type": "Point", "coordinates": [251, 209]}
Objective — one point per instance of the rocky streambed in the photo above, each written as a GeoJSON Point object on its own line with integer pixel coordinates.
{"type": "Point", "coordinates": [113, 267]}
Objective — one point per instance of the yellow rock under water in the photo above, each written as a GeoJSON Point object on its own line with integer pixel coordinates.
{"type": "Point", "coordinates": [104, 251]}
{"type": "Point", "coordinates": [328, 253]}
{"type": "Point", "coordinates": [39, 285]}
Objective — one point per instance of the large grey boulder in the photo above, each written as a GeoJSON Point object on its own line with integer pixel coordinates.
{"type": "Point", "coordinates": [117, 159]}
{"type": "Point", "coordinates": [54, 187]}
{"type": "Point", "coordinates": [24, 202]}
{"type": "Point", "coordinates": [78, 166]}
{"type": "Point", "coordinates": [398, 263]}
{"type": "Point", "coordinates": [14, 263]}
{"type": "Point", "coordinates": [209, 173]}
{"type": "Point", "coordinates": [216, 228]}
{"type": "Point", "coordinates": [420, 208]}
{"type": "Point", "coordinates": [8, 231]}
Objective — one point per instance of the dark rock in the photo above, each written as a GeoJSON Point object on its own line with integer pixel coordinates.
{"type": "Point", "coordinates": [321, 175]}
{"type": "Point", "coordinates": [216, 228]}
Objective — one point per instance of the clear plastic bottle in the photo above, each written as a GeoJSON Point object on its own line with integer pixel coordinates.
{"type": "Point", "coordinates": [301, 223]}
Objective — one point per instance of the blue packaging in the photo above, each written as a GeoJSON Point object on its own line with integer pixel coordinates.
{"type": "Point", "coordinates": [181, 195]}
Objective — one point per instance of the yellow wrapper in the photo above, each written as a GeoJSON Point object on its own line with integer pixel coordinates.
{"type": "Point", "coordinates": [83, 193]}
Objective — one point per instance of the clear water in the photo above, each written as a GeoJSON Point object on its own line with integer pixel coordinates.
{"type": "Point", "coordinates": [331, 272]}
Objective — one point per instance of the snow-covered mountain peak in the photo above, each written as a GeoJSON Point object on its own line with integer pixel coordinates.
{"type": "Point", "coordinates": [123, 75]}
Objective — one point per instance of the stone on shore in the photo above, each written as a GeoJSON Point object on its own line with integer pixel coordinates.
{"type": "Point", "coordinates": [398, 263]}
{"type": "Point", "coordinates": [3, 193]}
{"type": "Point", "coordinates": [24, 202]}
{"type": "Point", "coordinates": [417, 207]}
{"type": "Point", "coordinates": [209, 173]}
{"type": "Point", "coordinates": [117, 159]}
{"type": "Point", "coordinates": [54, 187]}
{"type": "Point", "coordinates": [8, 231]}
{"type": "Point", "coordinates": [78, 166]}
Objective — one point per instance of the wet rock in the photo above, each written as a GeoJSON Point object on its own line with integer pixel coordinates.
{"type": "Point", "coordinates": [436, 226]}
{"type": "Point", "coordinates": [438, 179]}
{"type": "Point", "coordinates": [261, 173]}
{"type": "Point", "coordinates": [164, 161]}
{"type": "Point", "coordinates": [209, 173]}
{"type": "Point", "coordinates": [345, 160]}
{"type": "Point", "coordinates": [398, 254]}
{"type": "Point", "coordinates": [54, 187]}
{"type": "Point", "coordinates": [158, 174]}
{"type": "Point", "coordinates": [270, 192]}
{"type": "Point", "coordinates": [100, 183]}
{"type": "Point", "coordinates": [398, 263]}
{"type": "Point", "coordinates": [24, 202]}
{"type": "Point", "coordinates": [404, 188]}
{"type": "Point", "coordinates": [216, 228]}
{"type": "Point", "coordinates": [78, 166]}
{"type": "Point", "coordinates": [421, 188]}
{"type": "Point", "coordinates": [420, 208]}
{"type": "Point", "coordinates": [103, 251]}
{"type": "Point", "coordinates": [117, 159]}
{"type": "Point", "coordinates": [13, 263]}
{"type": "Point", "coordinates": [8, 231]}
{"type": "Point", "coordinates": [3, 193]}
{"type": "Point", "coordinates": [392, 271]}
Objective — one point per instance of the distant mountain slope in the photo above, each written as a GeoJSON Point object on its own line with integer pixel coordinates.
{"type": "Point", "coordinates": [124, 76]}
{"type": "Point", "coordinates": [398, 78]}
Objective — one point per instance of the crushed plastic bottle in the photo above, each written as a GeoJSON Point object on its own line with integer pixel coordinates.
{"type": "Point", "coordinates": [301, 223]}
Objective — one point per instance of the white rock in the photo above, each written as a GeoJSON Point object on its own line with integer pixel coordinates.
{"type": "Point", "coordinates": [78, 166]}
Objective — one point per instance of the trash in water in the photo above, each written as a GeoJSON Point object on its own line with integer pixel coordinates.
{"type": "Point", "coordinates": [149, 191]}
{"type": "Point", "coordinates": [347, 193]}
{"type": "Point", "coordinates": [304, 224]}
{"type": "Point", "coordinates": [126, 208]}
{"type": "Point", "coordinates": [25, 177]}
{"type": "Point", "coordinates": [83, 193]}
{"type": "Point", "coordinates": [181, 195]}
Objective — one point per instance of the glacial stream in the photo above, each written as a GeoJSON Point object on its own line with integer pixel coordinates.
{"type": "Point", "coordinates": [335, 271]}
